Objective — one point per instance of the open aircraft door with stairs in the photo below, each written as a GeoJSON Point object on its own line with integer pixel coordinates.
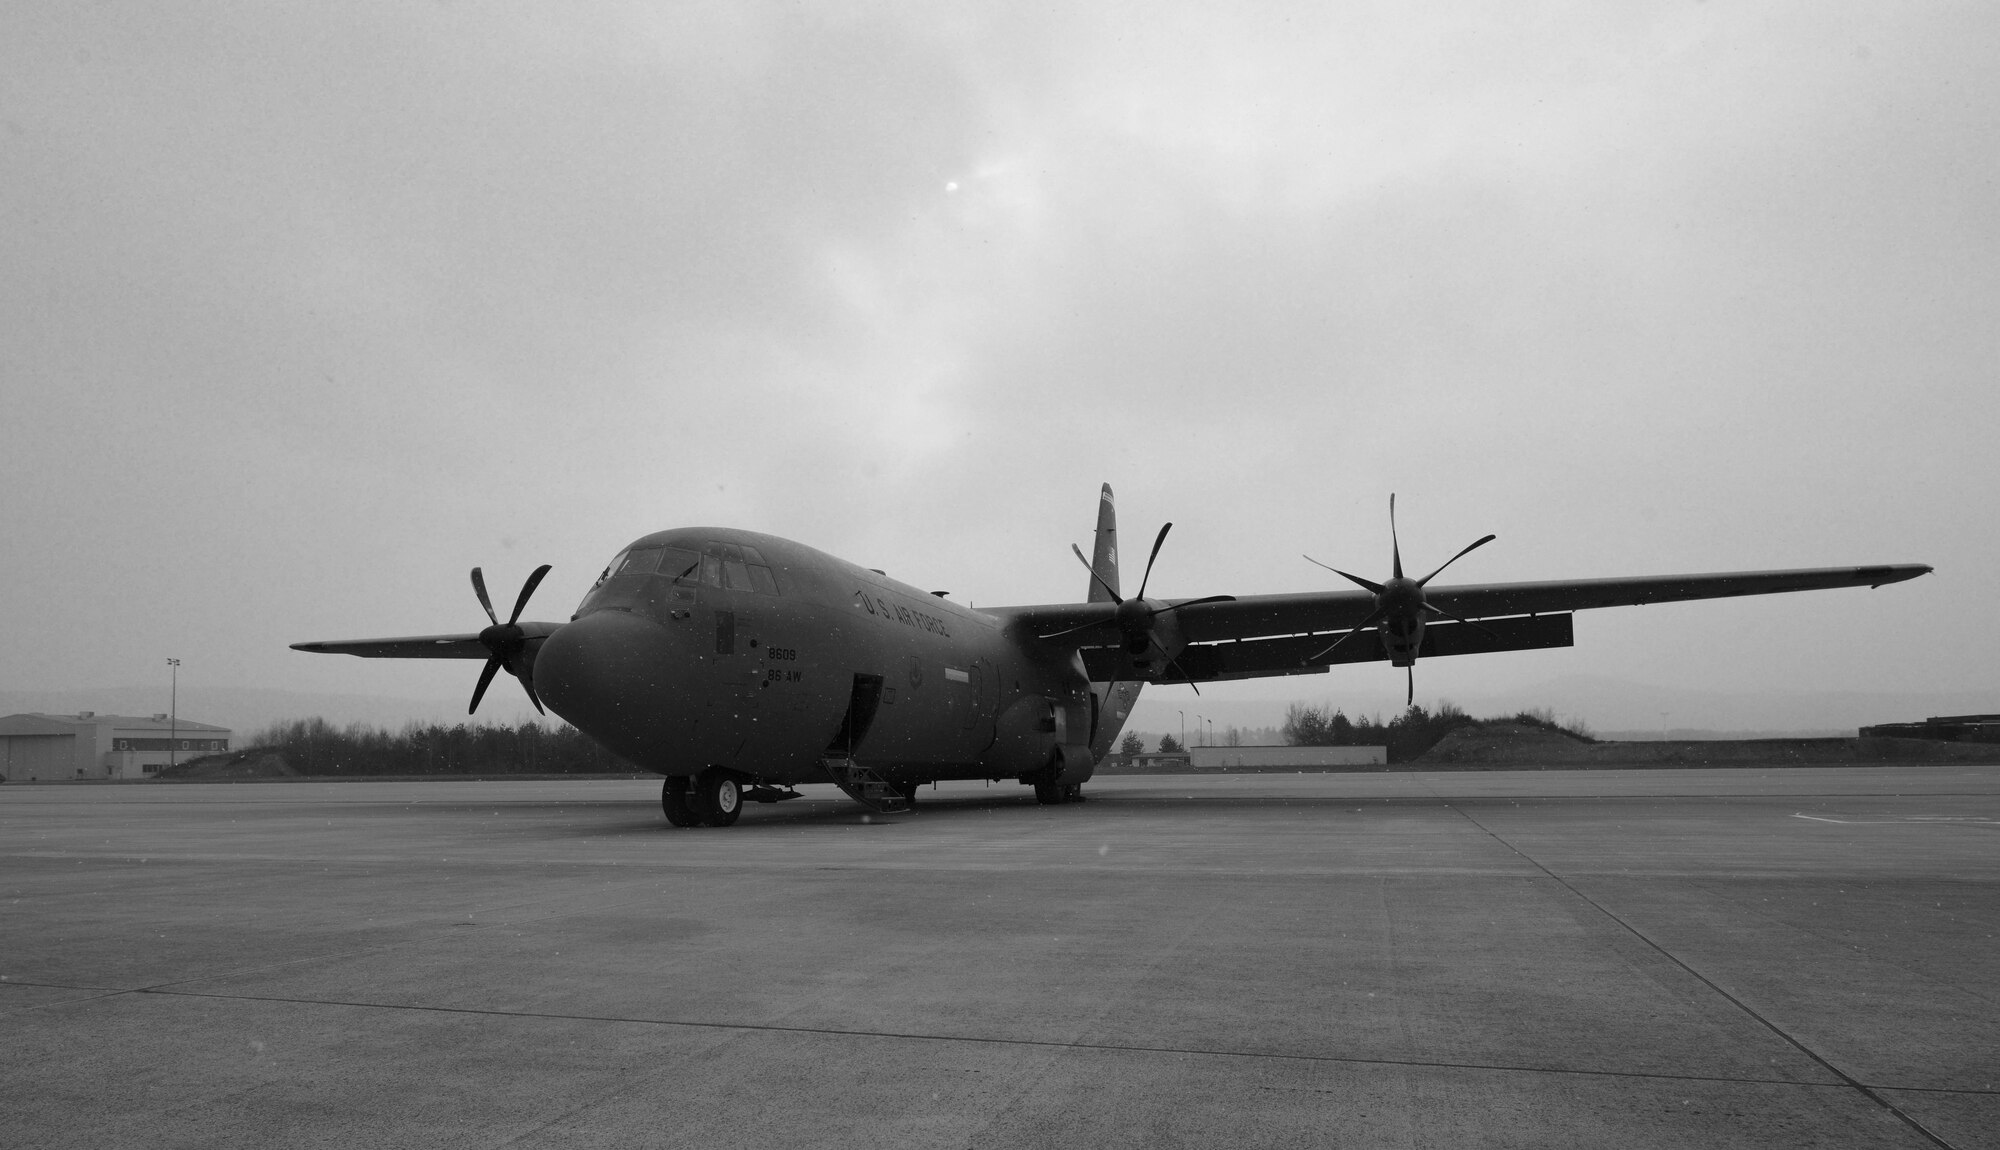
{"type": "Point", "coordinates": [862, 784]}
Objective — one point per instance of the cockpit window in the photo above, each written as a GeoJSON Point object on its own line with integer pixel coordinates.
{"type": "Point", "coordinates": [736, 567]}
{"type": "Point", "coordinates": [735, 572]}
{"type": "Point", "coordinates": [616, 562]}
{"type": "Point", "coordinates": [680, 565]}
{"type": "Point", "coordinates": [639, 561]}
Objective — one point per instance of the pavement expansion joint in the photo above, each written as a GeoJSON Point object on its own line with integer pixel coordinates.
{"type": "Point", "coordinates": [1867, 1091]}
{"type": "Point", "coordinates": [994, 1040]}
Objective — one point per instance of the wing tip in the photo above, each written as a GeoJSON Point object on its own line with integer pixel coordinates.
{"type": "Point", "coordinates": [1883, 576]}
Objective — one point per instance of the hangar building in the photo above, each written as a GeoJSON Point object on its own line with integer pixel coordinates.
{"type": "Point", "coordinates": [88, 745]}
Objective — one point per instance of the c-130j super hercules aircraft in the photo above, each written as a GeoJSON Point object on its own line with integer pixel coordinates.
{"type": "Point", "coordinates": [740, 665]}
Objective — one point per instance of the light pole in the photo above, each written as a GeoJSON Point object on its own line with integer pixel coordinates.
{"type": "Point", "coordinates": [1209, 740]}
{"type": "Point", "coordinates": [1201, 725]}
{"type": "Point", "coordinates": [174, 713]}
{"type": "Point", "coordinates": [1183, 715]}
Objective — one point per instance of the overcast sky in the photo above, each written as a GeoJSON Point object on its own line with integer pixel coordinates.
{"type": "Point", "coordinates": [307, 309]}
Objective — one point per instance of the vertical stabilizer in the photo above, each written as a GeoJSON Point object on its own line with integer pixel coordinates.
{"type": "Point", "coordinates": [1110, 702]}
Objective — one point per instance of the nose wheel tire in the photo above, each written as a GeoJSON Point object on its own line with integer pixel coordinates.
{"type": "Point", "coordinates": [678, 803]}
{"type": "Point", "coordinates": [719, 798]}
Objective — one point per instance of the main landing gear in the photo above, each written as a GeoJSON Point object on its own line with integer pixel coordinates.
{"type": "Point", "coordinates": [711, 799]}
{"type": "Point", "coordinates": [1053, 793]}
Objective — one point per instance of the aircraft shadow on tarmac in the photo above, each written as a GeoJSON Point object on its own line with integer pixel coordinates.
{"type": "Point", "coordinates": [1165, 801]}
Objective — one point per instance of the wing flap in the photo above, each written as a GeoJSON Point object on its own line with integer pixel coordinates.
{"type": "Point", "coordinates": [1295, 654]}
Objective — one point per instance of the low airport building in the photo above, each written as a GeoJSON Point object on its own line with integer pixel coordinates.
{"type": "Point", "coordinates": [1947, 728]}
{"type": "Point", "coordinates": [88, 745]}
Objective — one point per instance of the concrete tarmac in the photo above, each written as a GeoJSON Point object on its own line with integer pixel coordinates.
{"type": "Point", "coordinates": [1792, 957]}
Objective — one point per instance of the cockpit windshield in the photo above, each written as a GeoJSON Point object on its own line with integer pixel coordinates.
{"type": "Point", "coordinates": [640, 561]}
{"type": "Point", "coordinates": [680, 565]}
{"type": "Point", "coordinates": [639, 576]}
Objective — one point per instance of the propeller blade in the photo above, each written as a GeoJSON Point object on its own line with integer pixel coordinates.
{"type": "Point", "coordinates": [528, 685]}
{"type": "Point", "coordinates": [1456, 558]}
{"type": "Point", "coordinates": [479, 588]}
{"type": "Point", "coordinates": [485, 680]}
{"type": "Point", "coordinates": [1410, 700]}
{"type": "Point", "coordinates": [1176, 663]}
{"type": "Point", "coordinates": [1395, 548]}
{"type": "Point", "coordinates": [1157, 540]}
{"type": "Point", "coordinates": [1358, 628]}
{"type": "Point", "coordinates": [1363, 583]}
{"type": "Point", "coordinates": [1458, 618]}
{"type": "Point", "coordinates": [527, 589]}
{"type": "Point", "coordinates": [1078, 552]}
{"type": "Point", "coordinates": [1196, 603]}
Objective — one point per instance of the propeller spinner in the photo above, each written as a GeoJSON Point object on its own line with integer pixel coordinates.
{"type": "Point", "coordinates": [1136, 617]}
{"type": "Point", "coordinates": [505, 641]}
{"type": "Point", "coordinates": [1400, 607]}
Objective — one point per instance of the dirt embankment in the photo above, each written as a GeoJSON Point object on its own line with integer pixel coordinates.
{"type": "Point", "coordinates": [1517, 744]}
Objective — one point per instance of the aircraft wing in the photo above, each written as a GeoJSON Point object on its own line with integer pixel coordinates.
{"type": "Point", "coordinates": [1258, 615]}
{"type": "Point", "coordinates": [421, 646]}
{"type": "Point", "coordinates": [1257, 635]}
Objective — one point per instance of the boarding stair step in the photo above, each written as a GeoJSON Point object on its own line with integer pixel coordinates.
{"type": "Point", "coordinates": [864, 786]}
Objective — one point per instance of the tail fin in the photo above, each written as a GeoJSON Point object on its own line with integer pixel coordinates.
{"type": "Point", "coordinates": [1104, 557]}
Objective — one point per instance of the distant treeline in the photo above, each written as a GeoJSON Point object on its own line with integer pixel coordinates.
{"type": "Point", "coordinates": [317, 747]}
{"type": "Point", "coordinates": [1409, 734]}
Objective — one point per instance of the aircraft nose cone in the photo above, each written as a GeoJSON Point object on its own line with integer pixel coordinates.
{"type": "Point", "coordinates": [613, 675]}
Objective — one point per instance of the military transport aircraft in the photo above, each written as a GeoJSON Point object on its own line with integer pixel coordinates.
{"type": "Point", "coordinates": [740, 665]}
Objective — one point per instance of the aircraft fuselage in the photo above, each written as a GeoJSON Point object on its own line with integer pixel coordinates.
{"type": "Point", "coordinates": [711, 647]}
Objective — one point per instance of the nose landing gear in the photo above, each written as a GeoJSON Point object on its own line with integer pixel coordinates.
{"type": "Point", "coordinates": [712, 798]}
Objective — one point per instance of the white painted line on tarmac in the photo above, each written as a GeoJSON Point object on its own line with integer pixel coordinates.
{"type": "Point", "coordinates": [1976, 820]}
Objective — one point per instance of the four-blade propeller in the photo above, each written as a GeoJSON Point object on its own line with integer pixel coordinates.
{"type": "Point", "coordinates": [1136, 617]}
{"type": "Point", "coordinates": [505, 641]}
{"type": "Point", "coordinates": [1399, 606]}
